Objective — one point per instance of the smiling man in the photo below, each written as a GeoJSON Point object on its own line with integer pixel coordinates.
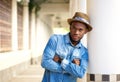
{"type": "Point", "coordinates": [65, 58]}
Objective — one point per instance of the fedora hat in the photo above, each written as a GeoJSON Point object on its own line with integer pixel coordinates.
{"type": "Point", "coordinates": [81, 17]}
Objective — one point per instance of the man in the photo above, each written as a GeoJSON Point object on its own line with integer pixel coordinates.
{"type": "Point", "coordinates": [65, 58]}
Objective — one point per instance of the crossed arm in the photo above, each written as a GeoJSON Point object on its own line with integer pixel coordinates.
{"type": "Point", "coordinates": [59, 60]}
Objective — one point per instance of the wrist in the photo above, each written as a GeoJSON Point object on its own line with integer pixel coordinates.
{"type": "Point", "coordinates": [64, 63]}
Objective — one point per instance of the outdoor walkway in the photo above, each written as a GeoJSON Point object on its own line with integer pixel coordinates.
{"type": "Point", "coordinates": [33, 74]}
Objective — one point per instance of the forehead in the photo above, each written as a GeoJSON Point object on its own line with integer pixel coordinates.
{"type": "Point", "coordinates": [76, 23]}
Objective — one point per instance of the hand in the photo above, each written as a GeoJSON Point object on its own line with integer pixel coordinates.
{"type": "Point", "coordinates": [57, 59]}
{"type": "Point", "coordinates": [76, 61]}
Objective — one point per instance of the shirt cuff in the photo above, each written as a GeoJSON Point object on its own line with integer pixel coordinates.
{"type": "Point", "coordinates": [64, 63]}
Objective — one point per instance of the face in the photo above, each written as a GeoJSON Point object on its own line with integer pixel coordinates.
{"type": "Point", "coordinates": [77, 31]}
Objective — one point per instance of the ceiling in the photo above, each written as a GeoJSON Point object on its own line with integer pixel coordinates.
{"type": "Point", "coordinates": [58, 10]}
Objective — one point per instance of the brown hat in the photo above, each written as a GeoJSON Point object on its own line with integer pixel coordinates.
{"type": "Point", "coordinates": [81, 17]}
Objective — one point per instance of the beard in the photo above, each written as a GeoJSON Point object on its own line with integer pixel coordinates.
{"type": "Point", "coordinates": [73, 41]}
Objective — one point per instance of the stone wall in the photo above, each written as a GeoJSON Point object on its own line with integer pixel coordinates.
{"type": "Point", "coordinates": [7, 74]}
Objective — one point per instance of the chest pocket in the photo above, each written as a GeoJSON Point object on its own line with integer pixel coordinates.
{"type": "Point", "coordinates": [70, 54]}
{"type": "Point", "coordinates": [61, 49]}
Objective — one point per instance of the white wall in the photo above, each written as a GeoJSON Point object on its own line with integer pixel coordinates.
{"type": "Point", "coordinates": [9, 59]}
{"type": "Point", "coordinates": [43, 32]}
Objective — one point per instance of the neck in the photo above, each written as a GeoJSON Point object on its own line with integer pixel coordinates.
{"type": "Point", "coordinates": [74, 42]}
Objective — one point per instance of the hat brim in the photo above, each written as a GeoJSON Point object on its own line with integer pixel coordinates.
{"type": "Point", "coordinates": [89, 27]}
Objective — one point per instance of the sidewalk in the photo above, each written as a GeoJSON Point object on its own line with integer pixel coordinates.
{"type": "Point", "coordinates": [33, 74]}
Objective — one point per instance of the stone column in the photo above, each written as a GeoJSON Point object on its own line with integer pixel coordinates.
{"type": "Point", "coordinates": [73, 7]}
{"type": "Point", "coordinates": [14, 26]}
{"type": "Point", "coordinates": [33, 35]}
{"type": "Point", "coordinates": [104, 41]}
{"type": "Point", "coordinates": [76, 6]}
{"type": "Point", "coordinates": [25, 24]}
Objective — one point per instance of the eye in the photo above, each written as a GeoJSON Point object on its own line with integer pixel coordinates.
{"type": "Point", "coordinates": [80, 29]}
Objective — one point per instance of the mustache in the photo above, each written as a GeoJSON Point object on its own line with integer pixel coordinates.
{"type": "Point", "coordinates": [75, 34]}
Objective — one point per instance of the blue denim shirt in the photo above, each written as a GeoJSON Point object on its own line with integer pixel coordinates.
{"type": "Point", "coordinates": [66, 71]}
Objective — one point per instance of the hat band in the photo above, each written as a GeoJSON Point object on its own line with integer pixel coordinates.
{"type": "Point", "coordinates": [81, 19]}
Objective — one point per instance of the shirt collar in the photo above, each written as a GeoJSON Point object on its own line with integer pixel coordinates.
{"type": "Point", "coordinates": [67, 40]}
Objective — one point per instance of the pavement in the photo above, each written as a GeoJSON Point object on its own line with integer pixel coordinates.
{"type": "Point", "coordinates": [34, 73]}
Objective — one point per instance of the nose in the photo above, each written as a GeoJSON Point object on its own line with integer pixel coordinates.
{"type": "Point", "coordinates": [76, 32]}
